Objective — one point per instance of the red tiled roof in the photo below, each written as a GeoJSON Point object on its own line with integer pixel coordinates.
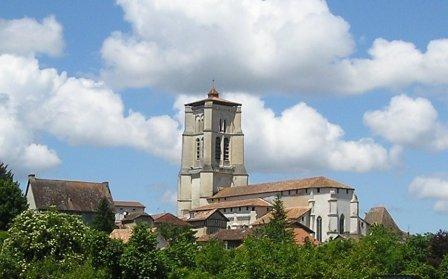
{"type": "Point", "coordinates": [204, 215]}
{"type": "Point", "coordinates": [292, 214]}
{"type": "Point", "coordinates": [272, 187]}
{"type": "Point", "coordinates": [169, 218]}
{"type": "Point", "coordinates": [258, 202]}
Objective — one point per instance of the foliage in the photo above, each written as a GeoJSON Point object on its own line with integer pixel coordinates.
{"type": "Point", "coordinates": [104, 219]}
{"type": "Point", "coordinates": [37, 236]}
{"type": "Point", "coordinates": [181, 247]}
{"type": "Point", "coordinates": [12, 200]}
{"type": "Point", "coordinates": [277, 229]}
{"type": "Point", "coordinates": [56, 245]}
{"type": "Point", "coordinates": [140, 257]}
{"type": "Point", "coordinates": [104, 252]}
{"type": "Point", "coordinates": [3, 237]}
{"type": "Point", "coordinates": [438, 247]}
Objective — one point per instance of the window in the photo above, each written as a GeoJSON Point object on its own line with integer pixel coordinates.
{"type": "Point", "coordinates": [198, 149]}
{"type": "Point", "coordinates": [239, 208]}
{"type": "Point", "coordinates": [342, 224]}
{"type": "Point", "coordinates": [224, 128]}
{"type": "Point", "coordinates": [218, 149]}
{"type": "Point", "coordinates": [337, 191]}
{"type": "Point", "coordinates": [225, 210]}
{"type": "Point", "coordinates": [253, 208]}
{"type": "Point", "coordinates": [306, 191]}
{"type": "Point", "coordinates": [226, 149]}
{"type": "Point", "coordinates": [202, 147]}
{"type": "Point", "coordinates": [346, 191]}
{"type": "Point", "coordinates": [319, 229]}
{"type": "Point", "coordinates": [318, 190]}
{"type": "Point", "coordinates": [247, 208]}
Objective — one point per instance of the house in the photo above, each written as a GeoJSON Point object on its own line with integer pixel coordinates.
{"type": "Point", "coordinates": [241, 213]}
{"type": "Point", "coordinates": [168, 218]}
{"type": "Point", "coordinates": [231, 238]}
{"type": "Point", "coordinates": [124, 207]}
{"type": "Point", "coordinates": [134, 218]}
{"type": "Point", "coordinates": [73, 197]}
{"type": "Point", "coordinates": [125, 234]}
{"type": "Point", "coordinates": [207, 221]}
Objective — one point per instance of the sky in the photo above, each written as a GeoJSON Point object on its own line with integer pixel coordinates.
{"type": "Point", "coordinates": [352, 90]}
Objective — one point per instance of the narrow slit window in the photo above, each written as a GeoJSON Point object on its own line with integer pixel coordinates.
{"type": "Point", "coordinates": [226, 149]}
{"type": "Point", "coordinates": [218, 149]}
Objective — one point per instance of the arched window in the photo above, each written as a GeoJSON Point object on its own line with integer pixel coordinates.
{"type": "Point", "coordinates": [224, 126]}
{"type": "Point", "coordinates": [319, 229]}
{"type": "Point", "coordinates": [342, 224]}
{"type": "Point", "coordinates": [226, 149]}
{"type": "Point", "coordinates": [218, 149]}
{"type": "Point", "coordinates": [220, 125]}
{"type": "Point", "coordinates": [198, 149]}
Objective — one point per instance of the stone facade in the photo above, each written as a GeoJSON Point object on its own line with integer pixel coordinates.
{"type": "Point", "coordinates": [212, 151]}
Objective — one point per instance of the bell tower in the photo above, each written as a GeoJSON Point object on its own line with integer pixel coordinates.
{"type": "Point", "coordinates": [212, 151]}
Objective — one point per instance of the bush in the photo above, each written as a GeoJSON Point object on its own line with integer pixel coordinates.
{"type": "Point", "coordinates": [3, 237]}
{"type": "Point", "coordinates": [40, 236]}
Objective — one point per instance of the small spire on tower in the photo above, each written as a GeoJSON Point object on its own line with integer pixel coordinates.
{"type": "Point", "coordinates": [213, 93]}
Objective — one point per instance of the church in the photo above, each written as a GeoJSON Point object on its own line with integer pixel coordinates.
{"type": "Point", "coordinates": [213, 181]}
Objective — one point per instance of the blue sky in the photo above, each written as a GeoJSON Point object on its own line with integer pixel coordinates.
{"type": "Point", "coordinates": [402, 166]}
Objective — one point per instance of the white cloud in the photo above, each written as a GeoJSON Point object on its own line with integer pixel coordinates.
{"type": "Point", "coordinates": [28, 36]}
{"type": "Point", "coordinates": [258, 46]}
{"type": "Point", "coordinates": [79, 111]}
{"type": "Point", "coordinates": [300, 138]}
{"type": "Point", "coordinates": [409, 122]}
{"type": "Point", "coordinates": [431, 187]}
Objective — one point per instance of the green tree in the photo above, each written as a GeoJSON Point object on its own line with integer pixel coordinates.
{"type": "Point", "coordinates": [141, 258]}
{"type": "Point", "coordinates": [12, 200]}
{"type": "Point", "coordinates": [181, 248]}
{"type": "Point", "coordinates": [45, 236]}
{"type": "Point", "coordinates": [104, 252]}
{"type": "Point", "coordinates": [277, 229]}
{"type": "Point", "coordinates": [104, 217]}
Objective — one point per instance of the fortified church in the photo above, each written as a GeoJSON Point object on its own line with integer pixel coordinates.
{"type": "Point", "coordinates": [213, 181]}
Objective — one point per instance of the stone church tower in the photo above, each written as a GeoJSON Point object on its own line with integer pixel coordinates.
{"type": "Point", "coordinates": [212, 151]}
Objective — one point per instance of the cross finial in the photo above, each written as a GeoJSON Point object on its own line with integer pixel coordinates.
{"type": "Point", "coordinates": [213, 93]}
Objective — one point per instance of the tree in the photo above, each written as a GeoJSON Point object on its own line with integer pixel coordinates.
{"type": "Point", "coordinates": [438, 247]}
{"type": "Point", "coordinates": [12, 200]}
{"type": "Point", "coordinates": [277, 229]}
{"type": "Point", "coordinates": [140, 258]}
{"type": "Point", "coordinates": [51, 237]}
{"type": "Point", "coordinates": [104, 217]}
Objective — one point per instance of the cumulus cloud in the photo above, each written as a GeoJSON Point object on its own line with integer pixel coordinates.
{"type": "Point", "coordinates": [28, 36]}
{"type": "Point", "coordinates": [300, 138]}
{"type": "Point", "coordinates": [78, 111]}
{"type": "Point", "coordinates": [410, 122]}
{"type": "Point", "coordinates": [431, 187]}
{"type": "Point", "coordinates": [258, 46]}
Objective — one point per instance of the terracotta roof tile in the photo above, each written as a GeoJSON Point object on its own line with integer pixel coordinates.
{"type": "Point", "coordinates": [258, 202]}
{"type": "Point", "coordinates": [292, 213]}
{"type": "Point", "coordinates": [169, 218]}
{"type": "Point", "coordinates": [272, 187]}
{"type": "Point", "coordinates": [203, 215]}
{"type": "Point", "coordinates": [78, 196]}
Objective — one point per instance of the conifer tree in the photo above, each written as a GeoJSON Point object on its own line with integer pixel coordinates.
{"type": "Point", "coordinates": [277, 229]}
{"type": "Point", "coordinates": [12, 200]}
{"type": "Point", "coordinates": [104, 218]}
